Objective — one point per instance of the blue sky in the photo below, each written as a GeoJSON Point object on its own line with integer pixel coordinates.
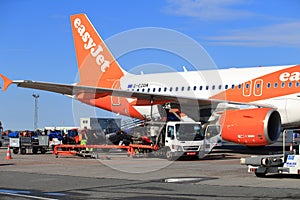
{"type": "Point", "coordinates": [36, 42]}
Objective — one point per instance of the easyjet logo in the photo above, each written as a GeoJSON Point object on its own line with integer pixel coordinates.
{"type": "Point", "coordinates": [89, 44]}
{"type": "Point", "coordinates": [286, 76]}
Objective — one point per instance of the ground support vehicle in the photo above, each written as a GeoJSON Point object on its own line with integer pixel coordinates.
{"type": "Point", "coordinates": [62, 135]}
{"type": "Point", "coordinates": [40, 143]}
{"type": "Point", "coordinates": [5, 140]}
{"type": "Point", "coordinates": [170, 140]}
{"type": "Point", "coordinates": [1, 139]}
{"type": "Point", "coordinates": [286, 163]}
{"type": "Point", "coordinates": [177, 139]}
{"type": "Point", "coordinates": [81, 150]}
{"type": "Point", "coordinates": [23, 144]}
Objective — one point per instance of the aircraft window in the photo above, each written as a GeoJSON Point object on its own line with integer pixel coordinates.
{"type": "Point", "coordinates": [269, 85]}
{"type": "Point", "coordinates": [213, 87]}
{"type": "Point", "coordinates": [290, 84]}
{"type": "Point", "coordinates": [247, 86]}
{"type": "Point", "coordinates": [132, 89]}
{"type": "Point", "coordinates": [171, 89]}
{"type": "Point", "coordinates": [297, 84]}
{"type": "Point", "coordinates": [240, 86]}
{"type": "Point", "coordinates": [159, 89]}
{"type": "Point", "coordinates": [220, 87]}
{"type": "Point", "coordinates": [165, 89]}
{"type": "Point", "coordinates": [207, 87]}
{"type": "Point", "coordinates": [176, 89]}
{"type": "Point", "coordinates": [232, 86]}
{"type": "Point", "coordinates": [188, 88]}
{"type": "Point", "coordinates": [148, 89]}
{"type": "Point", "coordinates": [182, 89]}
{"type": "Point", "coordinates": [201, 87]}
{"type": "Point", "coordinates": [226, 87]}
{"type": "Point", "coordinates": [195, 88]}
{"type": "Point", "coordinates": [153, 89]}
{"type": "Point", "coordinates": [257, 85]}
{"type": "Point", "coordinates": [138, 90]}
{"type": "Point", "coordinates": [275, 85]}
{"type": "Point", "coordinates": [143, 90]}
{"type": "Point", "coordinates": [282, 84]}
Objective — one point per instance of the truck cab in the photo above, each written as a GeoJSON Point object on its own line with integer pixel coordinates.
{"type": "Point", "coordinates": [188, 139]}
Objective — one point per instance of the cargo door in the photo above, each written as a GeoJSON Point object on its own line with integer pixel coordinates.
{"type": "Point", "coordinates": [115, 101]}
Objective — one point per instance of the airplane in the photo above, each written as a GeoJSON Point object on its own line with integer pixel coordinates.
{"type": "Point", "coordinates": [252, 105]}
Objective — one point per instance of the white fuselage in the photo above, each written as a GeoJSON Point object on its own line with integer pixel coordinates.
{"type": "Point", "coordinates": [255, 85]}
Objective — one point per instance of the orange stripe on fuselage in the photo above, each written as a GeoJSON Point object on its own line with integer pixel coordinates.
{"type": "Point", "coordinates": [257, 89]}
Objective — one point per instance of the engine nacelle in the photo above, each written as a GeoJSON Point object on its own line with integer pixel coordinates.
{"type": "Point", "coordinates": [251, 127]}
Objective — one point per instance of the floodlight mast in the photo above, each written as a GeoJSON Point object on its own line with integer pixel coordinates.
{"type": "Point", "coordinates": [36, 97]}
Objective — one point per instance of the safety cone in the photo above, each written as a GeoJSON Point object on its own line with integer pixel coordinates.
{"type": "Point", "coordinates": [291, 147]}
{"type": "Point", "coordinates": [8, 154]}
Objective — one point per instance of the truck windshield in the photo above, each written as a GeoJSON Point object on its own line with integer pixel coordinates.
{"type": "Point", "coordinates": [189, 132]}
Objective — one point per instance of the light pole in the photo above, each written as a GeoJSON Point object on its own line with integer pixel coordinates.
{"type": "Point", "coordinates": [35, 96]}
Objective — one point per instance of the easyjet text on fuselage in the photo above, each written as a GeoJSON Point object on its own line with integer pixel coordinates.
{"type": "Point", "coordinates": [286, 76]}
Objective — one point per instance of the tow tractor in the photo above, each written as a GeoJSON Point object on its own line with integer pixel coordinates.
{"type": "Point", "coordinates": [286, 163]}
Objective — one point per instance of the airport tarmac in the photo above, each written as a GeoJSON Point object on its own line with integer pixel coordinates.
{"type": "Point", "coordinates": [116, 176]}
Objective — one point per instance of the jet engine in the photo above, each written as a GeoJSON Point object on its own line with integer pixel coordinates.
{"type": "Point", "coordinates": [251, 127]}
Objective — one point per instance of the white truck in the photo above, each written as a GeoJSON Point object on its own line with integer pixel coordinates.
{"type": "Point", "coordinates": [286, 163]}
{"type": "Point", "coordinates": [184, 139]}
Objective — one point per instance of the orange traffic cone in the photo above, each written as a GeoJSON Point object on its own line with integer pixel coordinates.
{"type": "Point", "coordinates": [8, 153]}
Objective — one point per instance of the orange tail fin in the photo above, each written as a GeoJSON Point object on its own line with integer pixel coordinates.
{"type": "Point", "coordinates": [96, 65]}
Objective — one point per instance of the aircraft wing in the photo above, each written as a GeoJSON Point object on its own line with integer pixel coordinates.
{"type": "Point", "coordinates": [72, 89]}
{"type": "Point", "coordinates": [142, 98]}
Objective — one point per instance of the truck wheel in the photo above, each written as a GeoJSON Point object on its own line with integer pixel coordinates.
{"type": "Point", "coordinates": [15, 150]}
{"type": "Point", "coordinates": [23, 151]}
{"type": "Point", "coordinates": [43, 150]}
{"type": "Point", "coordinates": [260, 174]}
{"type": "Point", "coordinates": [170, 156]}
{"type": "Point", "coordinates": [34, 150]}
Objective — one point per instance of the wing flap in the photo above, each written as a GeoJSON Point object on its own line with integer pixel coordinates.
{"type": "Point", "coordinates": [51, 87]}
